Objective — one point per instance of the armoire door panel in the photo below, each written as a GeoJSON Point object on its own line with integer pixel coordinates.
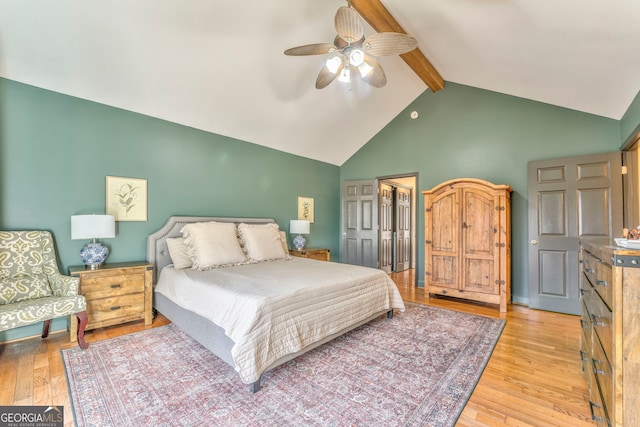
{"type": "Point", "coordinates": [444, 271]}
{"type": "Point", "coordinates": [480, 276]}
{"type": "Point", "coordinates": [444, 229]}
{"type": "Point", "coordinates": [478, 224]}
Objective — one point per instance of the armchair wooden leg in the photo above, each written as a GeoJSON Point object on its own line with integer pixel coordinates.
{"type": "Point", "coordinates": [45, 328]}
{"type": "Point", "coordinates": [82, 323]}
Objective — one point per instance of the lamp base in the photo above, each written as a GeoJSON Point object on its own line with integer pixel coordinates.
{"type": "Point", "coordinates": [94, 254]}
{"type": "Point", "coordinates": [299, 242]}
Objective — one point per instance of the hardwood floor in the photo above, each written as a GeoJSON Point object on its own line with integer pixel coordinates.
{"type": "Point", "coordinates": [532, 379]}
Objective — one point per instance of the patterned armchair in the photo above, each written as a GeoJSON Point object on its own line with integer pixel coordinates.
{"type": "Point", "coordinates": [32, 289]}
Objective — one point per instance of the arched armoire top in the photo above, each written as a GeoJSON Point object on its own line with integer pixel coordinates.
{"type": "Point", "coordinates": [469, 183]}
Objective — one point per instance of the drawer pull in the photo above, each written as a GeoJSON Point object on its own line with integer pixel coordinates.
{"type": "Point", "coordinates": [583, 356]}
{"type": "Point", "coordinates": [593, 414]}
{"type": "Point", "coordinates": [115, 307]}
{"type": "Point", "coordinates": [601, 282]}
{"type": "Point", "coordinates": [584, 292]}
{"type": "Point", "coordinates": [589, 270]}
{"type": "Point", "coordinates": [595, 320]}
{"type": "Point", "coordinates": [598, 371]}
{"type": "Point", "coordinates": [116, 285]}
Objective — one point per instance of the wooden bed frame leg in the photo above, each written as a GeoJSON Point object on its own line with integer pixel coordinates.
{"type": "Point", "coordinates": [390, 314]}
{"type": "Point", "coordinates": [255, 387]}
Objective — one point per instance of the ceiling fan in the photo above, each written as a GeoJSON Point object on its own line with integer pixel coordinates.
{"type": "Point", "coordinates": [353, 53]}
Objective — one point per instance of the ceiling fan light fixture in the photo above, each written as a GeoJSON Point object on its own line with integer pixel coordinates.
{"type": "Point", "coordinates": [356, 57]}
{"type": "Point", "coordinates": [345, 76]}
{"type": "Point", "coordinates": [365, 69]}
{"type": "Point", "coordinates": [333, 64]}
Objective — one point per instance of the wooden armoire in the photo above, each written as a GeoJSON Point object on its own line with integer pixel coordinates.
{"type": "Point", "coordinates": [468, 241]}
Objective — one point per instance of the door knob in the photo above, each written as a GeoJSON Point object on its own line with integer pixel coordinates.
{"type": "Point", "coordinates": [534, 242]}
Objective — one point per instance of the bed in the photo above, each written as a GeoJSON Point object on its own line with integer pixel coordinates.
{"type": "Point", "coordinates": [256, 315]}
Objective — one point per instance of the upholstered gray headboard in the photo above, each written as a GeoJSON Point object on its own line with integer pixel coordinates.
{"type": "Point", "coordinates": [157, 251]}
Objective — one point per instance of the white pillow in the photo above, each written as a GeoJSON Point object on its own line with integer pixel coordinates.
{"type": "Point", "coordinates": [178, 253]}
{"type": "Point", "coordinates": [212, 244]}
{"type": "Point", "coordinates": [283, 237]}
{"type": "Point", "coordinates": [262, 242]}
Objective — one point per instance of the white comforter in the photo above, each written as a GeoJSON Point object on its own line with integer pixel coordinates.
{"type": "Point", "coordinates": [276, 308]}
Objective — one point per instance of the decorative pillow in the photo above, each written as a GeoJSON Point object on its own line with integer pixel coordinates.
{"type": "Point", "coordinates": [262, 242]}
{"type": "Point", "coordinates": [283, 237]}
{"type": "Point", "coordinates": [212, 244]}
{"type": "Point", "coordinates": [178, 253]}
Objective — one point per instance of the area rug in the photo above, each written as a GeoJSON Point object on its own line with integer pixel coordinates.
{"type": "Point", "coordinates": [416, 369]}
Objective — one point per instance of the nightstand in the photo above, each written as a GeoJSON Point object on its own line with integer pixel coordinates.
{"type": "Point", "coordinates": [116, 293]}
{"type": "Point", "coordinates": [321, 254]}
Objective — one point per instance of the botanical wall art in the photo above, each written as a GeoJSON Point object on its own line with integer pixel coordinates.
{"type": "Point", "coordinates": [127, 198]}
{"type": "Point", "coordinates": [305, 208]}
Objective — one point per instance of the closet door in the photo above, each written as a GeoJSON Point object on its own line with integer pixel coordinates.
{"type": "Point", "coordinates": [480, 242]}
{"type": "Point", "coordinates": [402, 258]}
{"type": "Point", "coordinates": [441, 236]}
{"type": "Point", "coordinates": [360, 223]}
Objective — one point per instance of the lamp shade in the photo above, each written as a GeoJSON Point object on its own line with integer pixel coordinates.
{"type": "Point", "coordinates": [93, 227]}
{"type": "Point", "coordinates": [298, 226]}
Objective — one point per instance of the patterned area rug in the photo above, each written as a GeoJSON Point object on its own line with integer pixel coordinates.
{"type": "Point", "coordinates": [417, 369]}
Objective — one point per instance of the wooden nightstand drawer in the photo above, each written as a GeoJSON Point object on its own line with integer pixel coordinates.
{"type": "Point", "coordinates": [115, 293]}
{"type": "Point", "coordinates": [321, 254]}
{"type": "Point", "coordinates": [105, 310]}
{"type": "Point", "coordinates": [106, 286]}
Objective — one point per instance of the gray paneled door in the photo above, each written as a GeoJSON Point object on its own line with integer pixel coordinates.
{"type": "Point", "coordinates": [402, 251]}
{"type": "Point", "coordinates": [360, 223]}
{"type": "Point", "coordinates": [386, 222]}
{"type": "Point", "coordinates": [569, 198]}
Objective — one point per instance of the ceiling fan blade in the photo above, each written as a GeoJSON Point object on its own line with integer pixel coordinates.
{"type": "Point", "coordinates": [326, 76]}
{"type": "Point", "coordinates": [311, 49]}
{"type": "Point", "coordinates": [375, 75]}
{"type": "Point", "coordinates": [348, 24]}
{"type": "Point", "coordinates": [383, 44]}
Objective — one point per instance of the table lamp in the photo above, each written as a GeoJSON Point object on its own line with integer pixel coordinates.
{"type": "Point", "coordinates": [299, 227]}
{"type": "Point", "coordinates": [94, 253]}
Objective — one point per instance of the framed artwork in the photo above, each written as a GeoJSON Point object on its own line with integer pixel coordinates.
{"type": "Point", "coordinates": [127, 198]}
{"type": "Point", "coordinates": [305, 208]}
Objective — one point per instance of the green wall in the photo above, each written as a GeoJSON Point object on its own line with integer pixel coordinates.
{"type": "Point", "coordinates": [56, 150]}
{"type": "Point", "coordinates": [630, 122]}
{"type": "Point", "coordinates": [467, 132]}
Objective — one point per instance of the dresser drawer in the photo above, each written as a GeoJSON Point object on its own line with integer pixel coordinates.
{"type": "Point", "coordinates": [598, 413]}
{"type": "Point", "coordinates": [601, 319]}
{"type": "Point", "coordinates": [604, 283]}
{"type": "Point", "coordinates": [590, 267]}
{"type": "Point", "coordinates": [603, 375]}
{"type": "Point", "coordinates": [586, 326]}
{"type": "Point", "coordinates": [107, 309]}
{"type": "Point", "coordinates": [112, 285]}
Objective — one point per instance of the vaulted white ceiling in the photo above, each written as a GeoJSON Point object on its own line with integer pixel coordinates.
{"type": "Point", "coordinates": [219, 65]}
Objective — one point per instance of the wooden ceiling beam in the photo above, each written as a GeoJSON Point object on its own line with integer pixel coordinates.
{"type": "Point", "coordinates": [381, 20]}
